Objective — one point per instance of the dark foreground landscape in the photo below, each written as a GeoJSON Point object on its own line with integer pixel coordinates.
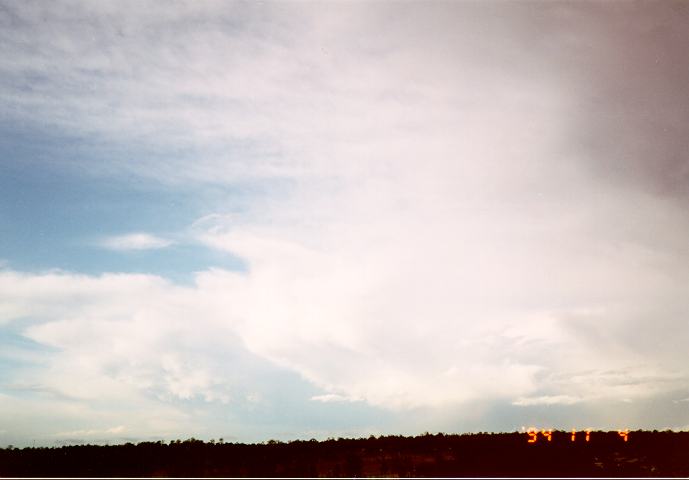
{"type": "Point", "coordinates": [506, 454]}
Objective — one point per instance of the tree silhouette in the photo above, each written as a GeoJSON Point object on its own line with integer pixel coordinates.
{"type": "Point", "coordinates": [645, 454]}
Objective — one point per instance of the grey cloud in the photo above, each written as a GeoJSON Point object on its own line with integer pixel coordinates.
{"type": "Point", "coordinates": [629, 63]}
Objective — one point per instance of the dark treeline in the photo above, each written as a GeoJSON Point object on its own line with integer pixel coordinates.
{"type": "Point", "coordinates": [483, 454]}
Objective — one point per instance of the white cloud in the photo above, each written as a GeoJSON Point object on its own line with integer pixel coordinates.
{"type": "Point", "coordinates": [333, 397]}
{"type": "Point", "coordinates": [46, 415]}
{"type": "Point", "coordinates": [130, 343]}
{"type": "Point", "coordinates": [117, 429]}
{"type": "Point", "coordinates": [135, 241]}
{"type": "Point", "coordinates": [388, 314]}
{"type": "Point", "coordinates": [117, 334]}
{"type": "Point", "coordinates": [91, 432]}
{"type": "Point", "coordinates": [547, 400]}
{"type": "Point", "coordinates": [439, 240]}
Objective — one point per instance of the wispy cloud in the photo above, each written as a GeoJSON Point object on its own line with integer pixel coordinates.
{"type": "Point", "coordinates": [333, 397]}
{"type": "Point", "coordinates": [135, 241]}
{"type": "Point", "coordinates": [92, 432]}
{"type": "Point", "coordinates": [546, 400]}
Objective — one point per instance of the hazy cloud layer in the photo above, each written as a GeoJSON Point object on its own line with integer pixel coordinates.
{"type": "Point", "coordinates": [477, 202]}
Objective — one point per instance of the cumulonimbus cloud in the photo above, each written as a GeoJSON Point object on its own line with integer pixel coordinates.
{"type": "Point", "coordinates": [432, 234]}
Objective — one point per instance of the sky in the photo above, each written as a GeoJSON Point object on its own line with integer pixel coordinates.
{"type": "Point", "coordinates": [282, 220]}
